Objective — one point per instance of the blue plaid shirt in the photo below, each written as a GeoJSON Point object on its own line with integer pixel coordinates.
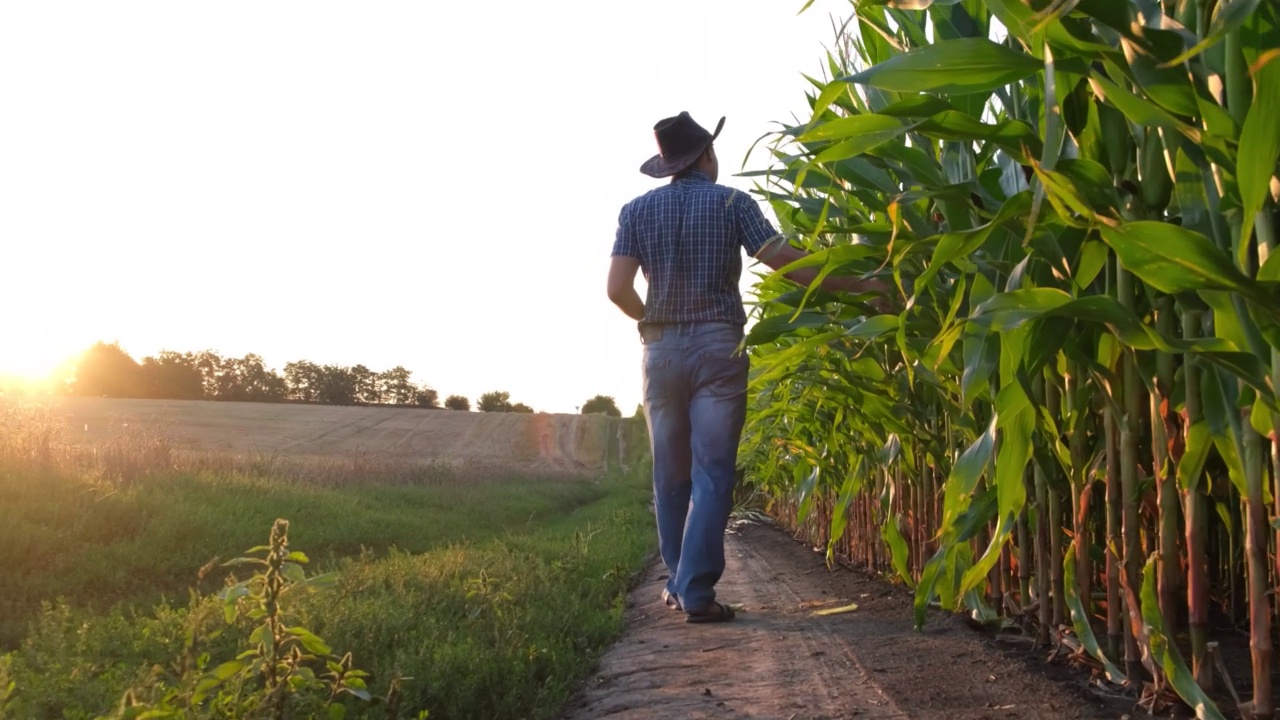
{"type": "Point", "coordinates": [687, 236]}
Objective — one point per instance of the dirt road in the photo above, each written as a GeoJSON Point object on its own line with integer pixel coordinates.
{"type": "Point", "coordinates": [779, 661]}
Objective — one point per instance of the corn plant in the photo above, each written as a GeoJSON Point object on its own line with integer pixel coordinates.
{"type": "Point", "coordinates": [1073, 417]}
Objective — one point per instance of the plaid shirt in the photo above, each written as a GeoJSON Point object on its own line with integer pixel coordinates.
{"type": "Point", "coordinates": [687, 236]}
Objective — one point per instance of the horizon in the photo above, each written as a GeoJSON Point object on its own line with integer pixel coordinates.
{"type": "Point", "coordinates": [435, 188]}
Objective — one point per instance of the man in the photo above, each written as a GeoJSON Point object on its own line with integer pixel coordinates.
{"type": "Point", "coordinates": [686, 237]}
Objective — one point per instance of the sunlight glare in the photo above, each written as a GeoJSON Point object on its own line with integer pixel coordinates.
{"type": "Point", "coordinates": [32, 361]}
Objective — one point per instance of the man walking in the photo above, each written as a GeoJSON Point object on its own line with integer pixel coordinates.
{"type": "Point", "coordinates": [686, 236]}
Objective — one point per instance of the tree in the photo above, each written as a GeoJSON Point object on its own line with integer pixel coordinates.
{"type": "Point", "coordinates": [367, 390]}
{"type": "Point", "coordinates": [172, 375]}
{"type": "Point", "coordinates": [105, 370]}
{"type": "Point", "coordinates": [302, 380]}
{"type": "Point", "coordinates": [250, 379]}
{"type": "Point", "coordinates": [495, 402]}
{"type": "Point", "coordinates": [457, 402]}
{"type": "Point", "coordinates": [427, 398]}
{"type": "Point", "coordinates": [337, 386]}
{"type": "Point", "coordinates": [396, 388]}
{"type": "Point", "coordinates": [520, 408]}
{"type": "Point", "coordinates": [601, 404]}
{"type": "Point", "coordinates": [213, 370]}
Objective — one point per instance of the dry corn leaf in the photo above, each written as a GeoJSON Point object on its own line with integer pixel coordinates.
{"type": "Point", "coordinates": [838, 610]}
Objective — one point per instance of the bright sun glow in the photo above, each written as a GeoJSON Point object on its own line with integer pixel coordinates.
{"type": "Point", "coordinates": [33, 362]}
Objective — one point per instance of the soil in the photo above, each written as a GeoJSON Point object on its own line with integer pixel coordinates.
{"type": "Point", "coordinates": [779, 660]}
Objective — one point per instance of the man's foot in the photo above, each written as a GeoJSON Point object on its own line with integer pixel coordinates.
{"type": "Point", "coordinates": [717, 612]}
{"type": "Point", "coordinates": [670, 600]}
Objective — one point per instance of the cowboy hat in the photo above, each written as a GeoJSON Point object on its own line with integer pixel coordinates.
{"type": "Point", "coordinates": [681, 141]}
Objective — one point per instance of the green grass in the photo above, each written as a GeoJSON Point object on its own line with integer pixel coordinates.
{"type": "Point", "coordinates": [493, 597]}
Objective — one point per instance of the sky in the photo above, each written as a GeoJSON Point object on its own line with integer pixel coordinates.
{"type": "Point", "coordinates": [427, 184]}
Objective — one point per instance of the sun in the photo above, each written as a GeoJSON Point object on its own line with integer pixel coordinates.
{"type": "Point", "coordinates": [31, 363]}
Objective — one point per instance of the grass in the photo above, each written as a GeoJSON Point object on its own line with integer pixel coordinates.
{"type": "Point", "coordinates": [494, 597]}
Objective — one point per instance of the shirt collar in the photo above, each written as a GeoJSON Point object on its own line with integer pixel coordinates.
{"type": "Point", "coordinates": [694, 176]}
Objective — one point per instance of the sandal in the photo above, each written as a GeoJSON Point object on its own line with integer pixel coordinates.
{"type": "Point", "coordinates": [718, 612]}
{"type": "Point", "coordinates": [671, 600]}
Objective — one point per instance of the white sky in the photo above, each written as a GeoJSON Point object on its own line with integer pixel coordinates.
{"type": "Point", "coordinates": [427, 184]}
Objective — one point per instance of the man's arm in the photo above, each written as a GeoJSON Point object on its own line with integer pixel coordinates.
{"type": "Point", "coordinates": [622, 286]}
{"type": "Point", "coordinates": [777, 254]}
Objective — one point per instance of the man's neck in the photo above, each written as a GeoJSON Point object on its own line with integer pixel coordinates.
{"type": "Point", "coordinates": [694, 175]}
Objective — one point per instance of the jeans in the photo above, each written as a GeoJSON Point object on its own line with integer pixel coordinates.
{"type": "Point", "coordinates": [695, 402]}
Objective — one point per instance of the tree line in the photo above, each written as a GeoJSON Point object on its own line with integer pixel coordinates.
{"type": "Point", "coordinates": [106, 370]}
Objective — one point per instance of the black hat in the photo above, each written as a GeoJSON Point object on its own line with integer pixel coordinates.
{"type": "Point", "coordinates": [681, 141]}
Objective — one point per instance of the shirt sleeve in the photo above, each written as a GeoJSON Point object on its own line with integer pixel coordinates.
{"type": "Point", "coordinates": [754, 231]}
{"type": "Point", "coordinates": [624, 243]}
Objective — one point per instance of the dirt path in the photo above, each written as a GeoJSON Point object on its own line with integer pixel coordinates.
{"type": "Point", "coordinates": [779, 661]}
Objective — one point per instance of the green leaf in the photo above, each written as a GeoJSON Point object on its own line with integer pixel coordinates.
{"type": "Point", "coordinates": [1017, 422]}
{"type": "Point", "coordinates": [1165, 654]}
{"type": "Point", "coordinates": [218, 676]}
{"type": "Point", "coordinates": [840, 517]}
{"type": "Point", "coordinates": [1270, 270]}
{"type": "Point", "coordinates": [914, 106]}
{"type": "Point", "coordinates": [324, 580]}
{"type": "Point", "coordinates": [1138, 110]}
{"type": "Point", "coordinates": [897, 545]}
{"type": "Point", "coordinates": [1015, 136]}
{"type": "Point", "coordinates": [926, 590]}
{"type": "Point", "coordinates": [775, 326]}
{"type": "Point", "coordinates": [1259, 145]}
{"type": "Point", "coordinates": [293, 572]}
{"type": "Point", "coordinates": [873, 327]}
{"type": "Point", "coordinates": [1080, 619]}
{"type": "Point", "coordinates": [1191, 466]}
{"type": "Point", "coordinates": [310, 640]}
{"type": "Point", "coordinates": [955, 245]}
{"type": "Point", "coordinates": [1093, 258]}
{"type": "Point", "coordinates": [1022, 21]}
{"type": "Point", "coordinates": [961, 66]}
{"type": "Point", "coordinates": [1173, 259]}
{"type": "Point", "coordinates": [1170, 87]}
{"type": "Point", "coordinates": [1230, 15]}
{"type": "Point", "coordinates": [964, 476]}
{"type": "Point", "coordinates": [828, 95]}
{"type": "Point", "coordinates": [854, 126]}
{"type": "Point", "coordinates": [804, 497]}
{"type": "Point", "coordinates": [1262, 420]}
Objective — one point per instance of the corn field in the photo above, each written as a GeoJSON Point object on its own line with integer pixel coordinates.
{"type": "Point", "coordinates": [1070, 422]}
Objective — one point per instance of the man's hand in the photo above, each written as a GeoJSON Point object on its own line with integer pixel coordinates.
{"type": "Point", "coordinates": [885, 303]}
{"type": "Point", "coordinates": [778, 254]}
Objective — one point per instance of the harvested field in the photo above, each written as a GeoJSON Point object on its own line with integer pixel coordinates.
{"type": "Point", "coordinates": [532, 442]}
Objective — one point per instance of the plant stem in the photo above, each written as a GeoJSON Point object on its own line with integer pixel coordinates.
{"type": "Point", "coordinates": [1115, 613]}
{"type": "Point", "coordinates": [1255, 548]}
{"type": "Point", "coordinates": [1196, 520]}
{"type": "Point", "coordinates": [1165, 478]}
{"type": "Point", "coordinates": [1053, 400]}
{"type": "Point", "coordinates": [1041, 489]}
{"type": "Point", "coordinates": [1129, 473]}
{"type": "Point", "coordinates": [1080, 483]}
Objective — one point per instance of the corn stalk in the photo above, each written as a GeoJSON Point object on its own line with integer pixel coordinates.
{"type": "Point", "coordinates": [1074, 201]}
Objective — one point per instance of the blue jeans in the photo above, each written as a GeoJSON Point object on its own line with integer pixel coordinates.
{"type": "Point", "coordinates": [695, 401]}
